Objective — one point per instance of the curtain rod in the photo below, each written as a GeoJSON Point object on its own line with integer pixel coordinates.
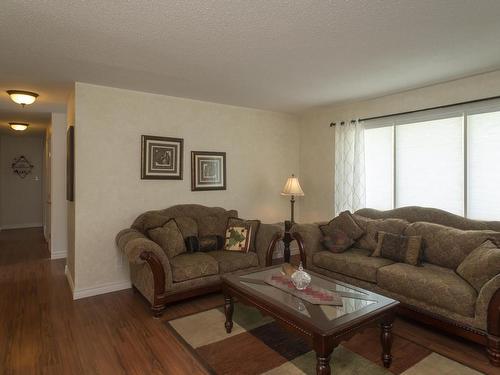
{"type": "Point", "coordinates": [420, 110]}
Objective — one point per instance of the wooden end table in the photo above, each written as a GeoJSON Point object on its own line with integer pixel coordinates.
{"type": "Point", "coordinates": [323, 327]}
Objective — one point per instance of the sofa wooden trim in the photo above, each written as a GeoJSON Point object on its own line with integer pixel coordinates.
{"type": "Point", "coordinates": [490, 339]}
{"type": "Point", "coordinates": [161, 298]}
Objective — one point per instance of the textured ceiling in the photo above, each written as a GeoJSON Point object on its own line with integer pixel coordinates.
{"type": "Point", "coordinates": [270, 54]}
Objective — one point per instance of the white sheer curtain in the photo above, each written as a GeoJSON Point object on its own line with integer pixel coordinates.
{"type": "Point", "coordinates": [349, 167]}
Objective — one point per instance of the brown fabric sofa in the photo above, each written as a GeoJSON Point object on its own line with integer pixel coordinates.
{"type": "Point", "coordinates": [162, 279]}
{"type": "Point", "coordinates": [433, 293]}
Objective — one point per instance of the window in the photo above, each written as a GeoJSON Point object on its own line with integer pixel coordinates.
{"type": "Point", "coordinates": [378, 167]}
{"type": "Point", "coordinates": [483, 170]}
{"type": "Point", "coordinates": [449, 161]}
{"type": "Point", "coordinates": [429, 165]}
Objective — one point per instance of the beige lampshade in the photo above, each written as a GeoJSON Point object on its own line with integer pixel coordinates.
{"type": "Point", "coordinates": [292, 187]}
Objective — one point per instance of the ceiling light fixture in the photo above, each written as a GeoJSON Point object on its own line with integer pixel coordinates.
{"type": "Point", "coordinates": [19, 126]}
{"type": "Point", "coordinates": [22, 97]}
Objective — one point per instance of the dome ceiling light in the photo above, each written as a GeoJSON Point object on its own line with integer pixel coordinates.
{"type": "Point", "coordinates": [22, 97]}
{"type": "Point", "coordinates": [18, 126]}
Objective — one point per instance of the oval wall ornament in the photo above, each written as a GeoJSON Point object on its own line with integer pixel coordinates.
{"type": "Point", "coordinates": [21, 166]}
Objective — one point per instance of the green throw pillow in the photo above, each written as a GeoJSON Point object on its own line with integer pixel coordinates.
{"type": "Point", "coordinates": [169, 237]}
{"type": "Point", "coordinates": [481, 265]}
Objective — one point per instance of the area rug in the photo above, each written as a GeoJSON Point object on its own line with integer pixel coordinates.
{"type": "Point", "coordinates": [257, 345]}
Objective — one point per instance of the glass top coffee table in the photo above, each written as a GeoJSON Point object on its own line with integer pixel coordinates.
{"type": "Point", "coordinates": [323, 326]}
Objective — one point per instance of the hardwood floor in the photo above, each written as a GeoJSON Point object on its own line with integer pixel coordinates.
{"type": "Point", "coordinates": [43, 331]}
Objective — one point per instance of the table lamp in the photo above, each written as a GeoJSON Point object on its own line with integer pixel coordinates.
{"type": "Point", "coordinates": [292, 188]}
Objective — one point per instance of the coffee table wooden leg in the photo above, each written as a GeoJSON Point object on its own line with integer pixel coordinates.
{"type": "Point", "coordinates": [323, 364]}
{"type": "Point", "coordinates": [386, 340]}
{"type": "Point", "coordinates": [228, 309]}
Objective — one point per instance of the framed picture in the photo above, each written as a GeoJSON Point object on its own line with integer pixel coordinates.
{"type": "Point", "coordinates": [161, 158]}
{"type": "Point", "coordinates": [70, 164]}
{"type": "Point", "coordinates": [208, 170]}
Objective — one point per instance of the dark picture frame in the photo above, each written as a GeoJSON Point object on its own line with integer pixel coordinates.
{"type": "Point", "coordinates": [208, 170]}
{"type": "Point", "coordinates": [161, 158]}
{"type": "Point", "coordinates": [70, 164]}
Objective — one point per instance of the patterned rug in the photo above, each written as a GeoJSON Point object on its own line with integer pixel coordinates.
{"type": "Point", "coordinates": [257, 345]}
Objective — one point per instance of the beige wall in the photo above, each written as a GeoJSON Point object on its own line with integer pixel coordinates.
{"type": "Point", "coordinates": [58, 214]}
{"type": "Point", "coordinates": [261, 152]}
{"type": "Point", "coordinates": [21, 198]}
{"type": "Point", "coordinates": [317, 139]}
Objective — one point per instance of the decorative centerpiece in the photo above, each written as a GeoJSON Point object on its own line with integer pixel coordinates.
{"type": "Point", "coordinates": [297, 282]}
{"type": "Point", "coordinates": [300, 278]}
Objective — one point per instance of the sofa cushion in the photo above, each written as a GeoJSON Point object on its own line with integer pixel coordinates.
{"type": "Point", "coordinates": [447, 247]}
{"type": "Point", "coordinates": [254, 228]}
{"type": "Point", "coordinates": [481, 265]}
{"type": "Point", "coordinates": [431, 284]}
{"type": "Point", "coordinates": [354, 262]}
{"type": "Point", "coordinates": [337, 242]}
{"type": "Point", "coordinates": [169, 237]}
{"type": "Point", "coordinates": [372, 226]}
{"type": "Point", "coordinates": [187, 225]}
{"type": "Point", "coordinates": [345, 223]}
{"type": "Point", "coordinates": [403, 249]}
{"type": "Point", "coordinates": [193, 265]}
{"type": "Point", "coordinates": [230, 261]}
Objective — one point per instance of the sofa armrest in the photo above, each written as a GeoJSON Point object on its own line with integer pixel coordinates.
{"type": "Point", "coordinates": [308, 237]}
{"type": "Point", "coordinates": [267, 238]}
{"type": "Point", "coordinates": [488, 305]}
{"type": "Point", "coordinates": [139, 250]}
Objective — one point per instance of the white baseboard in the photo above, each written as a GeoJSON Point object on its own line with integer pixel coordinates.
{"type": "Point", "coordinates": [20, 226]}
{"type": "Point", "coordinates": [101, 289]}
{"type": "Point", "coordinates": [70, 279]}
{"type": "Point", "coordinates": [58, 254]}
{"type": "Point", "coordinates": [96, 290]}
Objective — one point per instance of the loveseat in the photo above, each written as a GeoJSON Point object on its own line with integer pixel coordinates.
{"type": "Point", "coordinates": [162, 277]}
{"type": "Point", "coordinates": [432, 291]}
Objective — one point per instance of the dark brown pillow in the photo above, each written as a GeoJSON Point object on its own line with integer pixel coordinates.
{"type": "Point", "coordinates": [402, 249]}
{"type": "Point", "coordinates": [337, 242]}
{"type": "Point", "coordinates": [372, 226]}
{"type": "Point", "coordinates": [481, 265]}
{"type": "Point", "coordinates": [192, 244]}
{"type": "Point", "coordinates": [211, 243]}
{"type": "Point", "coordinates": [254, 228]}
{"type": "Point", "coordinates": [345, 223]}
{"type": "Point", "coordinates": [169, 237]}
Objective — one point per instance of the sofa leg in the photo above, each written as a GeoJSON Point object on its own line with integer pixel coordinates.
{"type": "Point", "coordinates": [157, 311]}
{"type": "Point", "coordinates": [493, 350]}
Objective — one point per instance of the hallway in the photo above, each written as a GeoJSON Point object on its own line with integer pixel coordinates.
{"type": "Point", "coordinates": [43, 331]}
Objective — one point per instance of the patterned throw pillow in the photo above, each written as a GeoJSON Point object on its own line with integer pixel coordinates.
{"type": "Point", "coordinates": [402, 249]}
{"type": "Point", "coordinates": [169, 237]}
{"type": "Point", "coordinates": [254, 228]}
{"type": "Point", "coordinates": [481, 265]}
{"type": "Point", "coordinates": [371, 227]}
{"type": "Point", "coordinates": [337, 242]}
{"type": "Point", "coordinates": [238, 237]}
{"type": "Point", "coordinates": [345, 223]}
